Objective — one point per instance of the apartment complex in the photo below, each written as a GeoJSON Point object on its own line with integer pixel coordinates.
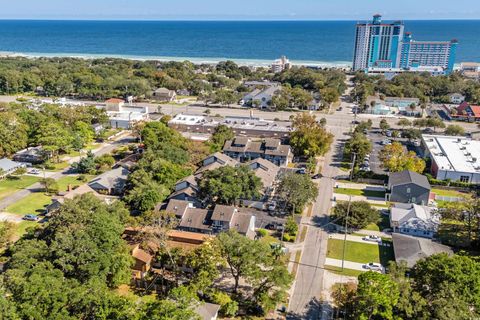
{"type": "Point", "coordinates": [385, 46]}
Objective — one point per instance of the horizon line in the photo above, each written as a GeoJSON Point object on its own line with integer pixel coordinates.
{"type": "Point", "coordinates": [223, 20]}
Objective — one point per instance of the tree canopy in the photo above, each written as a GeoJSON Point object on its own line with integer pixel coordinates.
{"type": "Point", "coordinates": [395, 159]}
{"type": "Point", "coordinates": [309, 138]}
{"type": "Point", "coordinates": [227, 185]}
{"type": "Point", "coordinates": [296, 190]}
{"type": "Point", "coordinates": [360, 215]}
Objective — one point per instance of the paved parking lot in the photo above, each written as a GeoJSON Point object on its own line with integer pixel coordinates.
{"type": "Point", "coordinates": [376, 138]}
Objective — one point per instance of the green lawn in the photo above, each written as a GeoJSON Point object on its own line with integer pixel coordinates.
{"type": "Point", "coordinates": [345, 272]}
{"type": "Point", "coordinates": [71, 180]}
{"type": "Point", "coordinates": [448, 193]}
{"type": "Point", "coordinates": [22, 227]}
{"type": "Point", "coordinates": [32, 204]}
{"type": "Point", "coordinates": [9, 186]}
{"type": "Point", "coordinates": [360, 252]}
{"type": "Point", "coordinates": [360, 192]}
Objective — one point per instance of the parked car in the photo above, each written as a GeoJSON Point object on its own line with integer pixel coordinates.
{"type": "Point", "coordinates": [340, 109]}
{"type": "Point", "coordinates": [30, 217]}
{"type": "Point", "coordinates": [302, 171]}
{"type": "Point", "coordinates": [372, 238]}
{"type": "Point", "coordinates": [317, 176]}
{"type": "Point", "coordinates": [388, 133]}
{"type": "Point", "coordinates": [274, 226]}
{"type": "Point", "coordinates": [428, 130]}
{"type": "Point", "coordinates": [272, 206]}
{"type": "Point", "coordinates": [373, 266]}
{"type": "Point", "coordinates": [365, 168]}
{"type": "Point", "coordinates": [34, 171]}
{"type": "Point", "coordinates": [386, 142]}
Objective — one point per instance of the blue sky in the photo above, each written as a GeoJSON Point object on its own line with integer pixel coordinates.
{"type": "Point", "coordinates": [239, 9]}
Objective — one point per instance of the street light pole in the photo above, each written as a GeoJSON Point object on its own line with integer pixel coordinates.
{"type": "Point", "coordinates": [345, 238]}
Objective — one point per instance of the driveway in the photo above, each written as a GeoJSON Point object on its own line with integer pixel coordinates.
{"type": "Point", "coordinates": [347, 265]}
{"type": "Point", "coordinates": [5, 216]}
{"type": "Point", "coordinates": [339, 236]}
{"type": "Point", "coordinates": [371, 200]}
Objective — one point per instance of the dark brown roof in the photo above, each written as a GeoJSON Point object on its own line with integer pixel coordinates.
{"type": "Point", "coordinates": [272, 143]}
{"type": "Point", "coordinates": [241, 223]}
{"type": "Point", "coordinates": [141, 255]}
{"type": "Point", "coordinates": [196, 219]}
{"type": "Point", "coordinates": [240, 141]}
{"type": "Point", "coordinates": [282, 150]}
{"type": "Point", "coordinates": [267, 171]}
{"type": "Point", "coordinates": [189, 191]}
{"type": "Point", "coordinates": [223, 213]}
{"type": "Point", "coordinates": [178, 207]}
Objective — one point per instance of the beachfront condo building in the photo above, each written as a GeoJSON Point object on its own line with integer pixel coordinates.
{"type": "Point", "coordinates": [385, 46]}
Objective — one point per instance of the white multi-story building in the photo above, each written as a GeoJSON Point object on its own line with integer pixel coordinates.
{"type": "Point", "coordinates": [381, 46]}
{"type": "Point", "coordinates": [281, 64]}
{"type": "Point", "coordinates": [453, 158]}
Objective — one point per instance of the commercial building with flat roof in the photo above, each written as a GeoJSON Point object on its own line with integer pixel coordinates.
{"type": "Point", "coordinates": [241, 126]}
{"type": "Point", "coordinates": [454, 158]}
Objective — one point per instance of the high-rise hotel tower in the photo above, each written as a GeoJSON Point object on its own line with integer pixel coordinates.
{"type": "Point", "coordinates": [386, 46]}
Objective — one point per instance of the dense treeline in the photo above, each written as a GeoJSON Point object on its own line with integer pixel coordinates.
{"type": "Point", "coordinates": [168, 157]}
{"type": "Point", "coordinates": [70, 268]}
{"type": "Point", "coordinates": [438, 287]}
{"type": "Point", "coordinates": [57, 129]}
{"type": "Point", "coordinates": [424, 86]}
{"type": "Point", "coordinates": [99, 79]}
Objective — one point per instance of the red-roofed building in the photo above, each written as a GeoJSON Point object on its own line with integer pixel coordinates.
{"type": "Point", "coordinates": [467, 112]}
{"type": "Point", "coordinates": [114, 104]}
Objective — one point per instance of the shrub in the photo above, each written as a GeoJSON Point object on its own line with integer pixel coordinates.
{"type": "Point", "coordinates": [262, 232]}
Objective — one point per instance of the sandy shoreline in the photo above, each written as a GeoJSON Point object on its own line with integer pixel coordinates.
{"type": "Point", "coordinates": [195, 60]}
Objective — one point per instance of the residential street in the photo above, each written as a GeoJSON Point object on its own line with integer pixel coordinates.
{"type": "Point", "coordinates": [106, 148]}
{"type": "Point", "coordinates": [305, 302]}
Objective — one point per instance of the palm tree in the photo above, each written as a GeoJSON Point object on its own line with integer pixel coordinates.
{"type": "Point", "coordinates": [413, 106]}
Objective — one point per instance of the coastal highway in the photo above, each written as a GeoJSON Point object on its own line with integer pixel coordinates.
{"type": "Point", "coordinates": [335, 118]}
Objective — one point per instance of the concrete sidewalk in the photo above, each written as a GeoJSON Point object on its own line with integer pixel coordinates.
{"type": "Point", "coordinates": [360, 186]}
{"type": "Point", "coordinates": [348, 264]}
{"type": "Point", "coordinates": [371, 200]}
{"type": "Point", "coordinates": [339, 236]}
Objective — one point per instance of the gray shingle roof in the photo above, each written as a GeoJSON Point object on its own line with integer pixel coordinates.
{"type": "Point", "coordinates": [404, 177]}
{"type": "Point", "coordinates": [411, 249]}
{"type": "Point", "coordinates": [7, 165]}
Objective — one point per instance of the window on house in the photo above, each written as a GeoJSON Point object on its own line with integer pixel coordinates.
{"type": "Point", "coordinates": [465, 179]}
{"type": "Point", "coordinates": [414, 200]}
{"type": "Point", "coordinates": [409, 190]}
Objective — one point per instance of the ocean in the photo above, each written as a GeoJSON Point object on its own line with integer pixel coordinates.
{"type": "Point", "coordinates": [322, 43]}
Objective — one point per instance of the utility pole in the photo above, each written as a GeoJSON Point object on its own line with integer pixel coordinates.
{"type": "Point", "coordinates": [345, 238]}
{"type": "Point", "coordinates": [353, 165]}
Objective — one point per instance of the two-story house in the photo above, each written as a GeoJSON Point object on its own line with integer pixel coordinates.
{"type": "Point", "coordinates": [408, 187]}
{"type": "Point", "coordinates": [220, 219]}
{"type": "Point", "coordinates": [414, 220]}
{"type": "Point", "coordinates": [245, 149]}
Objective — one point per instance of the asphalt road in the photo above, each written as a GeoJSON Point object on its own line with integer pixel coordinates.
{"type": "Point", "coordinates": [305, 302]}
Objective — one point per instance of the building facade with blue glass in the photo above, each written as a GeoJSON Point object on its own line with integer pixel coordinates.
{"type": "Point", "coordinates": [386, 46]}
